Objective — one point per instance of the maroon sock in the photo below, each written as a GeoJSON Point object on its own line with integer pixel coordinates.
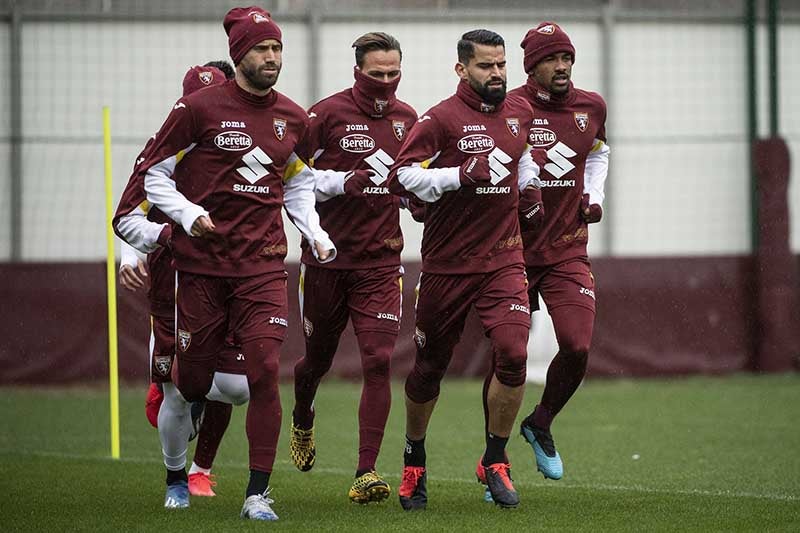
{"type": "Point", "coordinates": [376, 394]}
{"type": "Point", "coordinates": [573, 326]}
{"type": "Point", "coordinates": [215, 421]}
{"type": "Point", "coordinates": [308, 372]}
{"type": "Point", "coordinates": [263, 421]}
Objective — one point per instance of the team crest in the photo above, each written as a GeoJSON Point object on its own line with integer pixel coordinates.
{"type": "Point", "coordinates": [399, 129]}
{"type": "Point", "coordinates": [380, 105]}
{"type": "Point", "coordinates": [419, 338]}
{"type": "Point", "coordinates": [548, 29]}
{"type": "Point", "coordinates": [582, 120]}
{"type": "Point", "coordinates": [258, 17]}
{"type": "Point", "coordinates": [162, 364]}
{"type": "Point", "coordinates": [206, 77]}
{"type": "Point", "coordinates": [279, 125]}
{"type": "Point", "coordinates": [184, 339]}
{"type": "Point", "coordinates": [308, 327]}
{"type": "Point", "coordinates": [513, 126]}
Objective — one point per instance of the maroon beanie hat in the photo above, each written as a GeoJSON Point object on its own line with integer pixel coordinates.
{"type": "Point", "coordinates": [545, 39]}
{"type": "Point", "coordinates": [198, 77]}
{"type": "Point", "coordinates": [246, 27]}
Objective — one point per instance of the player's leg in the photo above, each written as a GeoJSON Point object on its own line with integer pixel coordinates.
{"type": "Point", "coordinates": [216, 418]}
{"type": "Point", "coordinates": [162, 353]}
{"type": "Point", "coordinates": [161, 300]}
{"type": "Point", "coordinates": [258, 315]}
{"type": "Point", "coordinates": [200, 329]}
{"type": "Point", "coordinates": [375, 303]}
{"type": "Point", "coordinates": [568, 291]}
{"type": "Point", "coordinates": [229, 388]}
{"type": "Point", "coordinates": [442, 305]}
{"type": "Point", "coordinates": [323, 310]}
{"type": "Point", "coordinates": [502, 306]}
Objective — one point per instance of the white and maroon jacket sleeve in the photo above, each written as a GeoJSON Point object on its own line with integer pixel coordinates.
{"type": "Point", "coordinates": [411, 172]}
{"type": "Point", "coordinates": [528, 171]}
{"type": "Point", "coordinates": [175, 139]}
{"type": "Point", "coordinates": [130, 256]}
{"type": "Point", "coordinates": [135, 229]}
{"type": "Point", "coordinates": [299, 200]}
{"type": "Point", "coordinates": [596, 172]}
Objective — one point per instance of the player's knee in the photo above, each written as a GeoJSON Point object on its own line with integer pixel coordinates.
{"type": "Point", "coordinates": [575, 348]}
{"type": "Point", "coordinates": [376, 355]}
{"type": "Point", "coordinates": [511, 372]}
{"type": "Point", "coordinates": [510, 347]}
{"type": "Point", "coordinates": [376, 366]}
{"type": "Point", "coordinates": [233, 387]}
{"type": "Point", "coordinates": [263, 372]}
{"type": "Point", "coordinates": [423, 383]}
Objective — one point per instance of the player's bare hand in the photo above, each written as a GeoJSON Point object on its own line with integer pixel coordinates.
{"type": "Point", "coordinates": [133, 279]}
{"type": "Point", "coordinates": [202, 226]}
{"type": "Point", "coordinates": [322, 252]}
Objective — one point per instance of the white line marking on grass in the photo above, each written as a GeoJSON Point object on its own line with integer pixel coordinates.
{"type": "Point", "coordinates": [285, 465]}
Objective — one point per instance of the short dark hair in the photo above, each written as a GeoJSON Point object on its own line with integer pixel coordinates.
{"type": "Point", "coordinates": [224, 66]}
{"type": "Point", "coordinates": [375, 40]}
{"type": "Point", "coordinates": [466, 46]}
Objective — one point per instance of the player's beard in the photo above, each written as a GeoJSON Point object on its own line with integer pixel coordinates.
{"type": "Point", "coordinates": [490, 95]}
{"type": "Point", "coordinates": [259, 79]}
{"type": "Point", "coordinates": [559, 89]}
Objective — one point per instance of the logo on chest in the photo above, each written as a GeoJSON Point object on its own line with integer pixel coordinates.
{"type": "Point", "coordinates": [279, 127]}
{"type": "Point", "coordinates": [475, 143]}
{"type": "Point", "coordinates": [513, 126]}
{"type": "Point", "coordinates": [399, 129]}
{"type": "Point", "coordinates": [541, 137]}
{"type": "Point", "coordinates": [357, 143]}
{"type": "Point", "coordinates": [581, 120]}
{"type": "Point", "coordinates": [233, 141]}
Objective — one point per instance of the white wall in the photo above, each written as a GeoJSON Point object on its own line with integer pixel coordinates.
{"type": "Point", "coordinates": [677, 126]}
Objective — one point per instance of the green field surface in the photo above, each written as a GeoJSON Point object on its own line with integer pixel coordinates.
{"type": "Point", "coordinates": [694, 454]}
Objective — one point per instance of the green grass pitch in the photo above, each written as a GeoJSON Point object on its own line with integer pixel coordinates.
{"type": "Point", "coordinates": [696, 454]}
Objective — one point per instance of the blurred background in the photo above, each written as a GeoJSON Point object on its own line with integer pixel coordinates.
{"type": "Point", "coordinates": [696, 256]}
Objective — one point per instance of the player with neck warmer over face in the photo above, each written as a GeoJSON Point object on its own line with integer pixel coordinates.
{"type": "Point", "coordinates": [354, 137]}
{"type": "Point", "coordinates": [569, 131]}
{"type": "Point", "coordinates": [468, 159]}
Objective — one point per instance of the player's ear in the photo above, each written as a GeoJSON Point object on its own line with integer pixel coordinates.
{"type": "Point", "coordinates": [461, 71]}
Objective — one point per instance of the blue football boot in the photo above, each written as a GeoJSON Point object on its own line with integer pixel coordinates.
{"type": "Point", "coordinates": [548, 461]}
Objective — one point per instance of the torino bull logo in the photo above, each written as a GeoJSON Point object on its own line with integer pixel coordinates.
{"type": "Point", "coordinates": [399, 129]}
{"type": "Point", "coordinates": [582, 120]}
{"type": "Point", "coordinates": [184, 339]}
{"type": "Point", "coordinates": [279, 126]}
{"type": "Point", "coordinates": [163, 364]}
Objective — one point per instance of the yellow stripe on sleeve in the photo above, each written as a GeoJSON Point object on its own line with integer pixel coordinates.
{"type": "Point", "coordinates": [293, 169]}
{"type": "Point", "coordinates": [145, 207]}
{"type": "Point", "coordinates": [596, 146]}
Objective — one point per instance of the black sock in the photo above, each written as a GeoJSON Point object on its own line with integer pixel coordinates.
{"type": "Point", "coordinates": [174, 476]}
{"type": "Point", "coordinates": [495, 449]}
{"type": "Point", "coordinates": [259, 481]}
{"type": "Point", "coordinates": [414, 454]}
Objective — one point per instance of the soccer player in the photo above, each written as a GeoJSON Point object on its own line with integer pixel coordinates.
{"type": "Point", "coordinates": [134, 220]}
{"type": "Point", "coordinates": [468, 158]}
{"type": "Point", "coordinates": [570, 124]}
{"type": "Point", "coordinates": [354, 137]}
{"type": "Point", "coordinates": [222, 166]}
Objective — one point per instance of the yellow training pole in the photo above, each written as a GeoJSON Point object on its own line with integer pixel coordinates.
{"type": "Point", "coordinates": [111, 280]}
